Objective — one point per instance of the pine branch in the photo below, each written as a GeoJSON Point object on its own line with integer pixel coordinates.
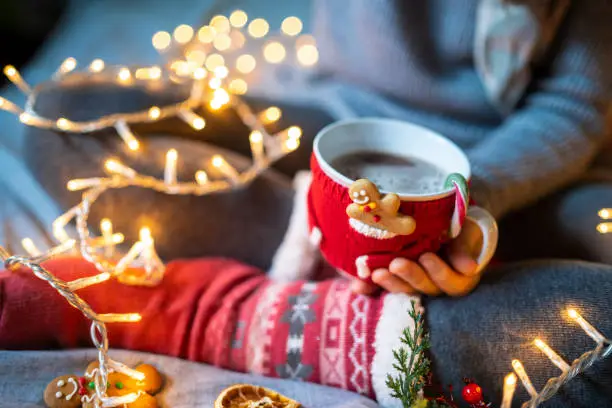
{"type": "Point", "coordinates": [410, 362]}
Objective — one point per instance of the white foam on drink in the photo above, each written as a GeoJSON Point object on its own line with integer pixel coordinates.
{"type": "Point", "coordinates": [395, 173]}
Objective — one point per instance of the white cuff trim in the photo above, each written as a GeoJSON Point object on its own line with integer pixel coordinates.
{"type": "Point", "coordinates": [393, 319]}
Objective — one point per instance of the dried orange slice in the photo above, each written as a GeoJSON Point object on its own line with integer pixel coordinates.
{"type": "Point", "coordinates": [253, 396]}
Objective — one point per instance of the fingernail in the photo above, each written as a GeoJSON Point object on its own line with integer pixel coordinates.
{"type": "Point", "coordinates": [473, 269]}
{"type": "Point", "coordinates": [426, 261]}
{"type": "Point", "coordinates": [397, 263]}
{"type": "Point", "coordinates": [470, 267]}
{"type": "Point", "coordinates": [377, 275]}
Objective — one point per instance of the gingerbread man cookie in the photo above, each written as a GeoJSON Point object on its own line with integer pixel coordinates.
{"type": "Point", "coordinates": [70, 391]}
{"type": "Point", "coordinates": [375, 215]}
{"type": "Point", "coordinates": [66, 391]}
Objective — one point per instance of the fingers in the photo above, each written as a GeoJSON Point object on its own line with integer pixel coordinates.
{"type": "Point", "coordinates": [432, 277]}
{"type": "Point", "coordinates": [363, 288]}
{"type": "Point", "coordinates": [461, 259]}
{"type": "Point", "coordinates": [445, 278]}
{"type": "Point", "coordinates": [414, 275]}
{"type": "Point", "coordinates": [390, 282]}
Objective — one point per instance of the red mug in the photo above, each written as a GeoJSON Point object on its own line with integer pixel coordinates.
{"type": "Point", "coordinates": [360, 229]}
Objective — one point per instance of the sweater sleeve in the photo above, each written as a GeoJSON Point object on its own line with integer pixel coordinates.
{"type": "Point", "coordinates": [553, 137]}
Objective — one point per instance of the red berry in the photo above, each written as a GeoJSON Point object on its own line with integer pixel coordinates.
{"type": "Point", "coordinates": [82, 391]}
{"type": "Point", "coordinates": [367, 209]}
{"type": "Point", "coordinates": [376, 218]}
{"type": "Point", "coordinates": [82, 381]}
{"type": "Point", "coordinates": [472, 393]}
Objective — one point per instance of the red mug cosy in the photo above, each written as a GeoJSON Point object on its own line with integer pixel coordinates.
{"type": "Point", "coordinates": [341, 245]}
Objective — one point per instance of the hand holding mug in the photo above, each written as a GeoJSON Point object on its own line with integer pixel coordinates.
{"type": "Point", "coordinates": [385, 227]}
{"type": "Point", "coordinates": [455, 272]}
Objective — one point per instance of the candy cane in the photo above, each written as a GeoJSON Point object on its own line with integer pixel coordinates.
{"type": "Point", "coordinates": [462, 197]}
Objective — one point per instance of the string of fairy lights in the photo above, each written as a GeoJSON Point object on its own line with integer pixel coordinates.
{"type": "Point", "coordinates": [605, 226]}
{"type": "Point", "coordinates": [212, 62]}
{"type": "Point", "coordinates": [215, 70]}
{"type": "Point", "coordinates": [98, 332]}
{"type": "Point", "coordinates": [602, 350]}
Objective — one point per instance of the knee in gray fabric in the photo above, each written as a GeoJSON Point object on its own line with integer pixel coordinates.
{"type": "Point", "coordinates": [479, 335]}
{"type": "Point", "coordinates": [563, 225]}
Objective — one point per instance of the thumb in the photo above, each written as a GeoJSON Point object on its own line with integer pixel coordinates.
{"type": "Point", "coordinates": [461, 258]}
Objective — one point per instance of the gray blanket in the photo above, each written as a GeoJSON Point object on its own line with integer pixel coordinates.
{"type": "Point", "coordinates": [24, 376]}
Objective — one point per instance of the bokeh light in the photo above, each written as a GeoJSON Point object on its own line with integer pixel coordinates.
{"type": "Point", "coordinates": [274, 52]}
{"type": "Point", "coordinates": [213, 61]}
{"type": "Point", "coordinates": [206, 34]}
{"type": "Point", "coordinates": [308, 55]}
{"type": "Point", "coordinates": [196, 56]}
{"type": "Point", "coordinates": [238, 86]}
{"type": "Point", "coordinates": [183, 34]}
{"type": "Point", "coordinates": [246, 63]}
{"type": "Point", "coordinates": [238, 18]}
{"type": "Point", "coordinates": [161, 40]}
{"type": "Point", "coordinates": [292, 26]}
{"type": "Point", "coordinates": [258, 28]}
{"type": "Point", "coordinates": [222, 42]}
{"type": "Point", "coordinates": [220, 23]}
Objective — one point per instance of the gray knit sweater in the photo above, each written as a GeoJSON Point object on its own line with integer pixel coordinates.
{"type": "Point", "coordinates": [413, 60]}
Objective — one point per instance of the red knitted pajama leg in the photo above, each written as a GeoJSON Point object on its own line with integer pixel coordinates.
{"type": "Point", "coordinates": [224, 313]}
{"type": "Point", "coordinates": [177, 315]}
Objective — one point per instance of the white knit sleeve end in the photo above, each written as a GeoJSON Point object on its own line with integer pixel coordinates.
{"type": "Point", "coordinates": [297, 255]}
{"type": "Point", "coordinates": [393, 320]}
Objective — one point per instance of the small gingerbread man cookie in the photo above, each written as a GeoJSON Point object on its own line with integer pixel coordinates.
{"type": "Point", "coordinates": [66, 391]}
{"type": "Point", "coordinates": [70, 391]}
{"type": "Point", "coordinates": [380, 213]}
